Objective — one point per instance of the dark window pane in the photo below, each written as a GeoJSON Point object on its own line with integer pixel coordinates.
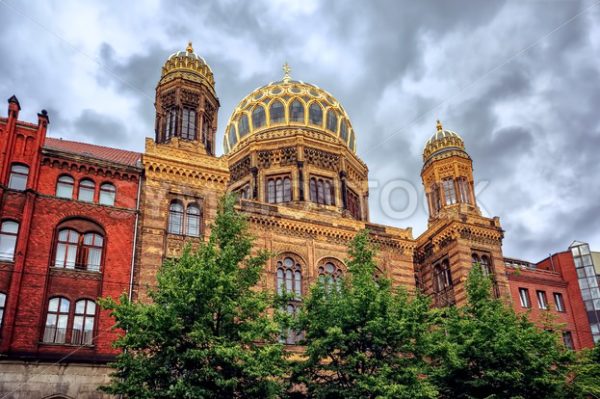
{"type": "Point", "coordinates": [232, 137]}
{"type": "Point", "coordinates": [315, 114]}
{"type": "Point", "coordinates": [344, 131]}
{"type": "Point", "coordinates": [243, 127]}
{"type": "Point", "coordinates": [297, 111]}
{"type": "Point", "coordinates": [258, 117]}
{"type": "Point", "coordinates": [332, 121]}
{"type": "Point", "coordinates": [277, 112]}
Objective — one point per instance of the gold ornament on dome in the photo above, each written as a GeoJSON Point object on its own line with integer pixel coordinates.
{"type": "Point", "coordinates": [187, 62]}
{"type": "Point", "coordinates": [288, 103]}
{"type": "Point", "coordinates": [443, 141]}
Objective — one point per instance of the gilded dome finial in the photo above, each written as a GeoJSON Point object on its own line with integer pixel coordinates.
{"type": "Point", "coordinates": [286, 72]}
{"type": "Point", "coordinates": [189, 48]}
{"type": "Point", "coordinates": [439, 126]}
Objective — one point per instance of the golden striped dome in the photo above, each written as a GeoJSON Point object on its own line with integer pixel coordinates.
{"type": "Point", "coordinates": [443, 142]}
{"type": "Point", "coordinates": [189, 65]}
{"type": "Point", "coordinates": [288, 103]}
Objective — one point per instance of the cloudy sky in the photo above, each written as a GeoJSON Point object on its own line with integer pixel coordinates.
{"type": "Point", "coordinates": [518, 79]}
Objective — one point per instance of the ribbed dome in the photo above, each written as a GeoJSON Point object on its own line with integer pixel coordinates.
{"type": "Point", "coordinates": [442, 141]}
{"type": "Point", "coordinates": [288, 103]}
{"type": "Point", "coordinates": [187, 64]}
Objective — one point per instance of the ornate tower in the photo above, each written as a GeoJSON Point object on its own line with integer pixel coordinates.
{"type": "Point", "coordinates": [458, 236]}
{"type": "Point", "coordinates": [447, 176]}
{"type": "Point", "coordinates": [186, 103]}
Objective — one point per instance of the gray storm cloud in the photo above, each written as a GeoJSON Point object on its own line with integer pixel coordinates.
{"type": "Point", "coordinates": [518, 80]}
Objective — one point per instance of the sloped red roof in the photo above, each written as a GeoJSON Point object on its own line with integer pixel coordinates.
{"type": "Point", "coordinates": [123, 157]}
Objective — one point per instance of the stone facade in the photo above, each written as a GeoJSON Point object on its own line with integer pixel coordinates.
{"type": "Point", "coordinates": [33, 380]}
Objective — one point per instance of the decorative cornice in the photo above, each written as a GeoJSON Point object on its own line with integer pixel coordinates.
{"type": "Point", "coordinates": [312, 225]}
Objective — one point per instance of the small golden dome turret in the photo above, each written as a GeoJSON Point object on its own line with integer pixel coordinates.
{"type": "Point", "coordinates": [443, 143]}
{"type": "Point", "coordinates": [189, 65]}
{"type": "Point", "coordinates": [288, 103]}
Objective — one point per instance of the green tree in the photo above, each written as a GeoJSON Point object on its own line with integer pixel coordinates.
{"type": "Point", "coordinates": [584, 375]}
{"type": "Point", "coordinates": [364, 338]}
{"type": "Point", "coordinates": [208, 332]}
{"type": "Point", "coordinates": [486, 350]}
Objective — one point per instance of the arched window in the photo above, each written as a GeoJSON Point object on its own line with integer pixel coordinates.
{"type": "Point", "coordinates": [2, 306]}
{"type": "Point", "coordinates": [344, 131]}
{"type": "Point", "coordinates": [57, 320]}
{"type": "Point", "coordinates": [271, 191]}
{"type": "Point", "coordinates": [91, 251]}
{"type": "Point", "coordinates": [287, 189]}
{"type": "Point", "coordinates": [9, 231]}
{"type": "Point", "coordinates": [315, 114]}
{"type": "Point", "coordinates": [321, 191]}
{"type": "Point", "coordinates": [330, 274]}
{"type": "Point", "coordinates": [442, 277]}
{"type": "Point", "coordinates": [277, 112]}
{"type": "Point", "coordinates": [328, 188]}
{"type": "Point", "coordinates": [475, 260]}
{"type": "Point", "coordinates": [436, 201]}
{"type": "Point", "coordinates": [244, 192]}
{"type": "Point", "coordinates": [279, 189]}
{"type": "Point", "coordinates": [289, 282]}
{"type": "Point", "coordinates": [332, 121]}
{"type": "Point", "coordinates": [463, 190]}
{"type": "Point", "coordinates": [107, 194]}
{"type": "Point", "coordinates": [188, 124]}
{"type": "Point", "coordinates": [170, 121]}
{"type": "Point", "coordinates": [297, 111]}
{"type": "Point", "coordinates": [18, 177]}
{"type": "Point", "coordinates": [86, 190]}
{"type": "Point", "coordinates": [66, 249]}
{"type": "Point", "coordinates": [64, 187]}
{"type": "Point", "coordinates": [353, 204]}
{"type": "Point", "coordinates": [449, 191]}
{"type": "Point", "coordinates": [289, 277]}
{"type": "Point", "coordinates": [83, 322]}
{"type": "Point", "coordinates": [78, 251]}
{"type": "Point", "coordinates": [485, 266]}
{"type": "Point", "coordinates": [352, 141]}
{"type": "Point", "coordinates": [258, 117]}
{"type": "Point", "coordinates": [243, 126]}
{"type": "Point", "coordinates": [232, 136]}
{"type": "Point", "coordinates": [193, 220]}
{"type": "Point", "coordinates": [175, 218]}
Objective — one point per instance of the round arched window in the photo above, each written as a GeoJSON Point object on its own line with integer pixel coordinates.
{"type": "Point", "coordinates": [289, 277]}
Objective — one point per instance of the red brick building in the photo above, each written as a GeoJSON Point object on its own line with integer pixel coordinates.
{"type": "Point", "coordinates": [549, 292]}
{"type": "Point", "coordinates": [68, 214]}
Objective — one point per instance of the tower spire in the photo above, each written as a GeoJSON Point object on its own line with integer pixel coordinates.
{"type": "Point", "coordinates": [189, 47]}
{"type": "Point", "coordinates": [439, 126]}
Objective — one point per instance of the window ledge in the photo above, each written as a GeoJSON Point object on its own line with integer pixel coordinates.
{"type": "Point", "coordinates": [66, 345]}
{"type": "Point", "coordinates": [76, 273]}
